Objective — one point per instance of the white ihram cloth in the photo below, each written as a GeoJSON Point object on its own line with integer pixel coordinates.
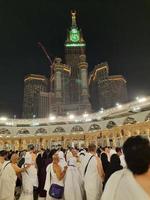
{"type": "Point", "coordinates": [73, 182]}
{"type": "Point", "coordinates": [92, 179]}
{"type": "Point", "coordinates": [122, 160]}
{"type": "Point", "coordinates": [112, 151]}
{"type": "Point", "coordinates": [123, 186]}
{"type": "Point", "coordinates": [8, 182]}
{"type": "Point", "coordinates": [62, 161]}
{"type": "Point", "coordinates": [27, 186]}
{"type": "Point", "coordinates": [32, 171]}
{"type": "Point", "coordinates": [29, 179]}
{"type": "Point", "coordinates": [68, 155]}
{"type": "Point", "coordinates": [50, 179]}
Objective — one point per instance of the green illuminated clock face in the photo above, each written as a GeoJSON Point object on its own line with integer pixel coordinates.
{"type": "Point", "coordinates": [74, 35]}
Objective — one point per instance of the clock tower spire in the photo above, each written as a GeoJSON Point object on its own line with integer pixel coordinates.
{"type": "Point", "coordinates": [75, 44]}
{"type": "Point", "coordinates": [74, 23]}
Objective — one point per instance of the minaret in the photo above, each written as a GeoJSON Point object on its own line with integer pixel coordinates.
{"type": "Point", "coordinates": [83, 71]}
{"type": "Point", "coordinates": [57, 84]}
{"type": "Point", "coordinates": [83, 65]}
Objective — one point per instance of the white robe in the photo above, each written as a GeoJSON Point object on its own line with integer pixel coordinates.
{"type": "Point", "coordinates": [32, 171]}
{"type": "Point", "coordinates": [51, 178]}
{"type": "Point", "coordinates": [62, 161]}
{"type": "Point", "coordinates": [29, 179]}
{"type": "Point", "coordinates": [73, 182]}
{"type": "Point", "coordinates": [68, 155]}
{"type": "Point", "coordinates": [27, 187]}
{"type": "Point", "coordinates": [92, 179]}
{"type": "Point", "coordinates": [123, 162]}
{"type": "Point", "coordinates": [8, 182]}
{"type": "Point", "coordinates": [123, 186]}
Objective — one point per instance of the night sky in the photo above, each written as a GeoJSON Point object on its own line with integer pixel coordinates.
{"type": "Point", "coordinates": [115, 31]}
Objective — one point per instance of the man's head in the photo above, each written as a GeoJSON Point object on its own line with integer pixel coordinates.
{"type": "Point", "coordinates": [59, 147]}
{"type": "Point", "coordinates": [137, 154]}
{"type": "Point", "coordinates": [119, 151]}
{"type": "Point", "coordinates": [106, 150]}
{"type": "Point", "coordinates": [14, 158]}
{"type": "Point", "coordinates": [74, 152]}
{"type": "Point", "coordinates": [31, 148]}
{"type": "Point", "coordinates": [3, 154]}
{"type": "Point", "coordinates": [56, 158]}
{"type": "Point", "coordinates": [92, 148]}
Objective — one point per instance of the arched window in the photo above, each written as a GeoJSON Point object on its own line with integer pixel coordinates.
{"type": "Point", "coordinates": [111, 124]}
{"type": "Point", "coordinates": [77, 129]}
{"type": "Point", "coordinates": [129, 120]}
{"type": "Point", "coordinates": [94, 127]}
{"type": "Point", "coordinates": [147, 117]}
{"type": "Point", "coordinates": [59, 130]}
{"type": "Point", "coordinates": [4, 131]}
{"type": "Point", "coordinates": [23, 131]}
{"type": "Point", "coordinates": [41, 131]}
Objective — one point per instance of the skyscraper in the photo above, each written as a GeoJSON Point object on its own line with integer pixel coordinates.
{"type": "Point", "coordinates": [70, 85]}
{"type": "Point", "coordinates": [74, 47]}
{"type": "Point", "coordinates": [105, 90]}
{"type": "Point", "coordinates": [69, 88]}
{"type": "Point", "coordinates": [62, 78]}
{"type": "Point", "coordinates": [34, 85]}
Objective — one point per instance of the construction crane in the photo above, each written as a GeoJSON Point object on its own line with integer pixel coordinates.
{"type": "Point", "coordinates": [51, 66]}
{"type": "Point", "coordinates": [48, 57]}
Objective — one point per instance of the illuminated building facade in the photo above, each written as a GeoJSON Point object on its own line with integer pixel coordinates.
{"type": "Point", "coordinates": [69, 82]}
{"type": "Point", "coordinates": [74, 47]}
{"type": "Point", "coordinates": [75, 58]}
{"type": "Point", "coordinates": [68, 85]}
{"type": "Point", "coordinates": [61, 103]}
{"type": "Point", "coordinates": [34, 100]}
{"type": "Point", "coordinates": [109, 90]}
{"type": "Point", "coordinates": [43, 104]}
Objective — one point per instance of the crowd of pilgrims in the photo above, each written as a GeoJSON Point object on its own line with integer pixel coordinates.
{"type": "Point", "coordinates": [77, 174]}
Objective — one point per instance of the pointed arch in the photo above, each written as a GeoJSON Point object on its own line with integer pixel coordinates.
{"type": "Point", "coordinates": [94, 127]}
{"type": "Point", "coordinates": [23, 131]}
{"type": "Point", "coordinates": [111, 124]}
{"type": "Point", "coordinates": [41, 131]}
{"type": "Point", "coordinates": [4, 131]}
{"type": "Point", "coordinates": [77, 129]}
{"type": "Point", "coordinates": [59, 129]}
{"type": "Point", "coordinates": [129, 120]}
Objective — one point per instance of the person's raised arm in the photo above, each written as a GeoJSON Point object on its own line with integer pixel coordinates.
{"type": "Point", "coordinates": [18, 169]}
{"type": "Point", "coordinates": [59, 173]}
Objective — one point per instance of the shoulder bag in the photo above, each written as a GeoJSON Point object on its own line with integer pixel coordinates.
{"type": "Point", "coordinates": [56, 191]}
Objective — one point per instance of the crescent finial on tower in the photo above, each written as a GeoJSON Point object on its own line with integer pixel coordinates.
{"type": "Point", "coordinates": [73, 13]}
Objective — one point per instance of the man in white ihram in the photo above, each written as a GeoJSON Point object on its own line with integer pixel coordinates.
{"type": "Point", "coordinates": [29, 178]}
{"type": "Point", "coordinates": [7, 180]}
{"type": "Point", "coordinates": [92, 173]}
{"type": "Point", "coordinates": [133, 182]}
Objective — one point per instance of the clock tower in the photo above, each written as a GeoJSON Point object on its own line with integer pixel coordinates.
{"type": "Point", "coordinates": [74, 45]}
{"type": "Point", "coordinates": [74, 48]}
